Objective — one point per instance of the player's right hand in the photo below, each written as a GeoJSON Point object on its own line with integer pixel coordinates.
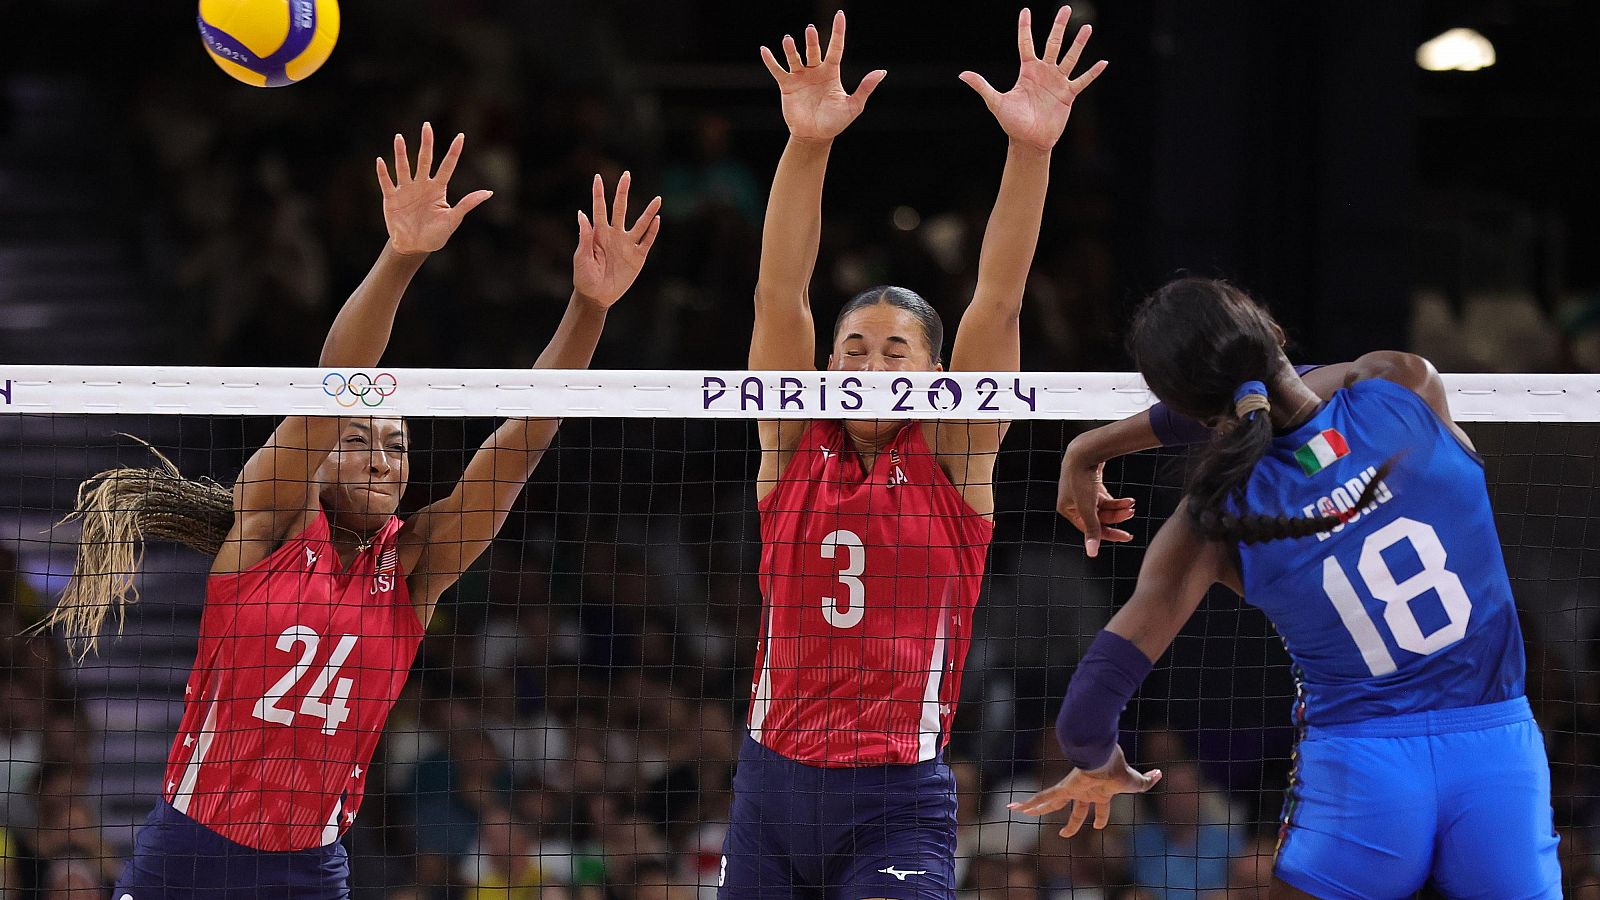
{"type": "Point", "coordinates": [1082, 487]}
{"type": "Point", "coordinates": [815, 105]}
{"type": "Point", "coordinates": [1089, 792]}
{"type": "Point", "coordinates": [416, 211]}
{"type": "Point", "coordinates": [610, 253]}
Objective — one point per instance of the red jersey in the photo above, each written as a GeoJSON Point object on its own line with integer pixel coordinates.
{"type": "Point", "coordinates": [869, 581]}
{"type": "Point", "coordinates": [298, 666]}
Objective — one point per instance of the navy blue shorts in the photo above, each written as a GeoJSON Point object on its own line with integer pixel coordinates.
{"type": "Point", "coordinates": [177, 858]}
{"type": "Point", "coordinates": [799, 831]}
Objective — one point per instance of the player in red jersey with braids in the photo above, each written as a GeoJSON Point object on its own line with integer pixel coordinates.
{"type": "Point", "coordinates": [319, 594]}
{"type": "Point", "coordinates": [874, 534]}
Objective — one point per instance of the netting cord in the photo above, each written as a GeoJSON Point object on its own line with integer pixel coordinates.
{"type": "Point", "coordinates": [119, 509]}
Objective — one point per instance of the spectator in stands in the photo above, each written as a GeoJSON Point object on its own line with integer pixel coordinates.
{"type": "Point", "coordinates": [1186, 848]}
{"type": "Point", "coordinates": [502, 863]}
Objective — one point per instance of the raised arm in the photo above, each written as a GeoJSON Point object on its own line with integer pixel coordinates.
{"type": "Point", "coordinates": [444, 538]}
{"type": "Point", "coordinates": [1033, 115]}
{"type": "Point", "coordinates": [275, 492]}
{"type": "Point", "coordinates": [816, 109]}
{"type": "Point", "coordinates": [420, 220]}
{"type": "Point", "coordinates": [1082, 487]}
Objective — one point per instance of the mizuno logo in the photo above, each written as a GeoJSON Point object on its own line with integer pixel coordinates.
{"type": "Point", "coordinates": [827, 452]}
{"type": "Point", "coordinates": [901, 873]}
{"type": "Point", "coordinates": [311, 557]}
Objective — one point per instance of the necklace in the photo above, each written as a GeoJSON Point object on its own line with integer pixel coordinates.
{"type": "Point", "coordinates": [362, 543]}
{"type": "Point", "coordinates": [1294, 418]}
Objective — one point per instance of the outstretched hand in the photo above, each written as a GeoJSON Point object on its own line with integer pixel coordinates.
{"type": "Point", "coordinates": [815, 105]}
{"type": "Point", "coordinates": [1089, 792]}
{"type": "Point", "coordinates": [1035, 111]}
{"type": "Point", "coordinates": [610, 254]}
{"type": "Point", "coordinates": [416, 211]}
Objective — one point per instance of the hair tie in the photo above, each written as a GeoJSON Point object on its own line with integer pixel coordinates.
{"type": "Point", "coordinates": [1250, 398]}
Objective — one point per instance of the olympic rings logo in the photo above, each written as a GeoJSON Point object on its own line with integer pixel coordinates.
{"type": "Point", "coordinates": [359, 389]}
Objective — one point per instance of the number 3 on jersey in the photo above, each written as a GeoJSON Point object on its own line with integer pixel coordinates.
{"type": "Point", "coordinates": [855, 563]}
{"type": "Point", "coordinates": [333, 711]}
{"type": "Point", "coordinates": [1397, 596]}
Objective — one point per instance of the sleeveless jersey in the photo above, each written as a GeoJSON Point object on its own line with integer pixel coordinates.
{"type": "Point", "coordinates": [298, 666]}
{"type": "Point", "coordinates": [1406, 607]}
{"type": "Point", "coordinates": [869, 581]}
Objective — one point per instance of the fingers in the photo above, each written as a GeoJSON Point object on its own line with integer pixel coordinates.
{"type": "Point", "coordinates": [813, 46]}
{"type": "Point", "coordinates": [636, 233]}
{"type": "Point", "coordinates": [402, 162]}
{"type": "Point", "coordinates": [982, 86]}
{"type": "Point", "coordinates": [866, 87]}
{"type": "Point", "coordinates": [619, 208]}
{"type": "Point", "coordinates": [1086, 496]}
{"type": "Point", "coordinates": [425, 152]}
{"type": "Point", "coordinates": [1151, 779]}
{"type": "Point", "coordinates": [1046, 801]}
{"type": "Point", "coordinates": [585, 233]}
{"type": "Point", "coordinates": [1070, 61]}
{"type": "Point", "coordinates": [1102, 815]}
{"type": "Point", "coordinates": [385, 183]}
{"type": "Point", "coordinates": [1025, 35]}
{"type": "Point", "coordinates": [650, 233]}
{"type": "Point", "coordinates": [447, 166]}
{"type": "Point", "coordinates": [1087, 78]}
{"type": "Point", "coordinates": [1080, 811]}
{"type": "Point", "coordinates": [791, 54]}
{"type": "Point", "coordinates": [1058, 30]}
{"type": "Point", "coordinates": [835, 54]}
{"type": "Point", "coordinates": [772, 64]}
{"type": "Point", "coordinates": [597, 190]}
{"type": "Point", "coordinates": [471, 202]}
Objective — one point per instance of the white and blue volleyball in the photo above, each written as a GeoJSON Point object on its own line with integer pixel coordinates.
{"type": "Point", "coordinates": [269, 43]}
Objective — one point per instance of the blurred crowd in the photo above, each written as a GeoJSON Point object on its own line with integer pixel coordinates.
{"type": "Point", "coordinates": [258, 221]}
{"type": "Point", "coordinates": [571, 731]}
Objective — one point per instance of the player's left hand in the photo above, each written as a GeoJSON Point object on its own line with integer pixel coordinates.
{"type": "Point", "coordinates": [1034, 112]}
{"type": "Point", "coordinates": [1089, 792]}
{"type": "Point", "coordinates": [610, 254]}
{"type": "Point", "coordinates": [416, 210]}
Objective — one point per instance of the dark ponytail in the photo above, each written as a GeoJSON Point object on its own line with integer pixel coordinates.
{"type": "Point", "coordinates": [1199, 342]}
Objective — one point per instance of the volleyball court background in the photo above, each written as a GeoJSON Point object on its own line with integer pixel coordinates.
{"type": "Point", "coordinates": [152, 211]}
{"type": "Point", "coordinates": [577, 703]}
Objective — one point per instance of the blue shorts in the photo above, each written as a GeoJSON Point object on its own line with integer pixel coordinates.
{"type": "Point", "coordinates": [799, 831]}
{"type": "Point", "coordinates": [1458, 798]}
{"type": "Point", "coordinates": [176, 857]}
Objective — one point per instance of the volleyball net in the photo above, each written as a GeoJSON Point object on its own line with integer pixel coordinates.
{"type": "Point", "coordinates": [571, 722]}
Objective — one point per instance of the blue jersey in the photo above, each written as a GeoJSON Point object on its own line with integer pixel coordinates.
{"type": "Point", "coordinates": [1405, 608]}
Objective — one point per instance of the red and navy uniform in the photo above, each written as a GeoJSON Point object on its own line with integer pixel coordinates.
{"type": "Point", "coordinates": [298, 665]}
{"type": "Point", "coordinates": [870, 578]}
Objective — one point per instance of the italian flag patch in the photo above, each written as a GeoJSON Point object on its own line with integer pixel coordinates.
{"type": "Point", "coordinates": [1321, 451]}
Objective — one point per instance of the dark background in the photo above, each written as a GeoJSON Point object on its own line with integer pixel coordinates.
{"type": "Point", "coordinates": [152, 210]}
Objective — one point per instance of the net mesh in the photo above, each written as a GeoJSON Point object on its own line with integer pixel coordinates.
{"type": "Point", "coordinates": [571, 722]}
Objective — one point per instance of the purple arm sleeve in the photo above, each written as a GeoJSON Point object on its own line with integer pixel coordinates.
{"type": "Point", "coordinates": [1174, 429]}
{"type": "Point", "coordinates": [1107, 678]}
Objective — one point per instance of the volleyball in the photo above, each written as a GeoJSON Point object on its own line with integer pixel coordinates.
{"type": "Point", "coordinates": [269, 43]}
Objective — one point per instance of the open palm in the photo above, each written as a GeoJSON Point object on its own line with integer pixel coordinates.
{"type": "Point", "coordinates": [1035, 110]}
{"type": "Point", "coordinates": [815, 104]}
{"type": "Point", "coordinates": [610, 254]}
{"type": "Point", "coordinates": [416, 211]}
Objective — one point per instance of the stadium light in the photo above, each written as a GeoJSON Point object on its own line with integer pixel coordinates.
{"type": "Point", "coordinates": [1457, 50]}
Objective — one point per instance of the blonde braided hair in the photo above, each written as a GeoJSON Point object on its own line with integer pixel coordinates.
{"type": "Point", "coordinates": [120, 509]}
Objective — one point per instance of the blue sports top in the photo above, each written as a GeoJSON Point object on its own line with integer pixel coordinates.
{"type": "Point", "coordinates": [1406, 607]}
